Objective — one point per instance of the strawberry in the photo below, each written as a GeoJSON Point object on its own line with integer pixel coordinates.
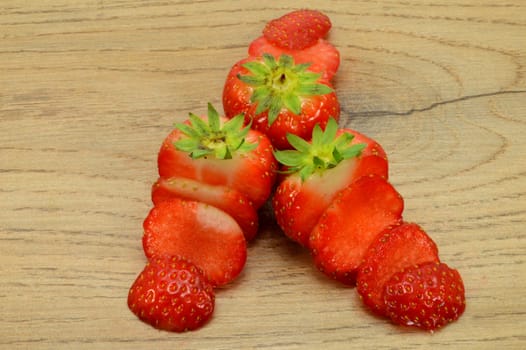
{"type": "Point", "coordinates": [220, 152]}
{"type": "Point", "coordinates": [395, 249]}
{"type": "Point", "coordinates": [300, 34]}
{"type": "Point", "coordinates": [225, 198]}
{"type": "Point", "coordinates": [322, 57]}
{"type": "Point", "coordinates": [172, 294]}
{"type": "Point", "coordinates": [297, 30]}
{"type": "Point", "coordinates": [278, 97]}
{"type": "Point", "coordinates": [427, 296]}
{"type": "Point", "coordinates": [346, 229]}
{"type": "Point", "coordinates": [198, 232]}
{"type": "Point", "coordinates": [317, 171]}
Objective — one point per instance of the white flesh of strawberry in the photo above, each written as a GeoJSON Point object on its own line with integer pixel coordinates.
{"type": "Point", "coordinates": [333, 180]}
{"type": "Point", "coordinates": [194, 189]}
{"type": "Point", "coordinates": [210, 217]}
{"type": "Point", "coordinates": [226, 167]}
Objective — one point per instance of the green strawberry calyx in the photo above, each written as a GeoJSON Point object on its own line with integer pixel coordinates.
{"type": "Point", "coordinates": [213, 138]}
{"type": "Point", "coordinates": [281, 84]}
{"type": "Point", "coordinates": [324, 151]}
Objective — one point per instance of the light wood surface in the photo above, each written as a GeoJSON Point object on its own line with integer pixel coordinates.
{"type": "Point", "coordinates": [88, 90]}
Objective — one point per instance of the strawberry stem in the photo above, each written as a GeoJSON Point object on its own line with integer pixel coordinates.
{"type": "Point", "coordinates": [203, 138]}
{"type": "Point", "coordinates": [281, 84]}
{"type": "Point", "coordinates": [324, 151]}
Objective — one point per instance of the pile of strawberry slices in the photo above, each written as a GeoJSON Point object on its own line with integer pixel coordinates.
{"type": "Point", "coordinates": [279, 141]}
{"type": "Point", "coordinates": [214, 175]}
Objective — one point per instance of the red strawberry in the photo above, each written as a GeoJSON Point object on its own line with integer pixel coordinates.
{"type": "Point", "coordinates": [395, 249]}
{"type": "Point", "coordinates": [428, 296]}
{"type": "Point", "coordinates": [349, 225]}
{"type": "Point", "coordinates": [172, 294]}
{"type": "Point", "coordinates": [220, 152]}
{"type": "Point", "coordinates": [297, 30]}
{"type": "Point", "coordinates": [198, 232]}
{"type": "Point", "coordinates": [323, 57]}
{"type": "Point", "coordinates": [279, 97]}
{"type": "Point", "coordinates": [318, 170]}
{"type": "Point", "coordinates": [225, 198]}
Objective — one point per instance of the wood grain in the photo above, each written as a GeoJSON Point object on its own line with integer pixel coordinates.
{"type": "Point", "coordinates": [88, 90]}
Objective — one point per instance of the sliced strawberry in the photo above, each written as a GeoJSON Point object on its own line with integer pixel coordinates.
{"type": "Point", "coordinates": [227, 199]}
{"type": "Point", "coordinates": [278, 97]}
{"type": "Point", "coordinates": [330, 162]}
{"type": "Point", "coordinates": [297, 30]}
{"type": "Point", "coordinates": [220, 153]}
{"type": "Point", "coordinates": [172, 294]}
{"type": "Point", "coordinates": [395, 249]}
{"type": "Point", "coordinates": [349, 225]}
{"type": "Point", "coordinates": [323, 57]}
{"type": "Point", "coordinates": [427, 296]}
{"type": "Point", "coordinates": [198, 232]}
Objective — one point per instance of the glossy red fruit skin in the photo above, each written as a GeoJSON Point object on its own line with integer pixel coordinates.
{"type": "Point", "coordinates": [398, 247]}
{"type": "Point", "coordinates": [323, 57]}
{"type": "Point", "coordinates": [314, 110]}
{"type": "Point", "coordinates": [253, 174]}
{"type": "Point", "coordinates": [224, 198]}
{"type": "Point", "coordinates": [172, 294]}
{"type": "Point", "coordinates": [427, 296]}
{"type": "Point", "coordinates": [298, 204]}
{"type": "Point", "coordinates": [350, 224]}
{"type": "Point", "coordinates": [298, 29]}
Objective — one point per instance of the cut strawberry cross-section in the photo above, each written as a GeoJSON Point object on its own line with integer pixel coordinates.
{"type": "Point", "coordinates": [198, 232]}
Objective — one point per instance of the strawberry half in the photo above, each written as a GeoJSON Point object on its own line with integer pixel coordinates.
{"type": "Point", "coordinates": [427, 296]}
{"type": "Point", "coordinates": [351, 223]}
{"type": "Point", "coordinates": [297, 30]}
{"type": "Point", "coordinates": [172, 294]}
{"type": "Point", "coordinates": [198, 232]}
{"type": "Point", "coordinates": [225, 198]}
{"type": "Point", "coordinates": [220, 152]}
{"type": "Point", "coordinates": [317, 171]}
{"type": "Point", "coordinates": [398, 247]}
{"type": "Point", "coordinates": [322, 57]}
{"type": "Point", "coordinates": [279, 97]}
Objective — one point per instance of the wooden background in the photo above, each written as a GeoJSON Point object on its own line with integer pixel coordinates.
{"type": "Point", "coordinates": [88, 90]}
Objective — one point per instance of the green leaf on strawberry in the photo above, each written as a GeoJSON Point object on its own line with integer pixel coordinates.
{"type": "Point", "coordinates": [212, 138]}
{"type": "Point", "coordinates": [281, 84]}
{"type": "Point", "coordinates": [324, 151]}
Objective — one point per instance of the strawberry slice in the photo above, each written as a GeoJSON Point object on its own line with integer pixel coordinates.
{"type": "Point", "coordinates": [428, 296]}
{"type": "Point", "coordinates": [297, 30]}
{"type": "Point", "coordinates": [322, 57]}
{"type": "Point", "coordinates": [220, 152]}
{"type": "Point", "coordinates": [346, 229]}
{"type": "Point", "coordinates": [395, 249]}
{"type": "Point", "coordinates": [317, 171]}
{"type": "Point", "coordinates": [198, 232]}
{"type": "Point", "coordinates": [227, 199]}
{"type": "Point", "coordinates": [172, 294]}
